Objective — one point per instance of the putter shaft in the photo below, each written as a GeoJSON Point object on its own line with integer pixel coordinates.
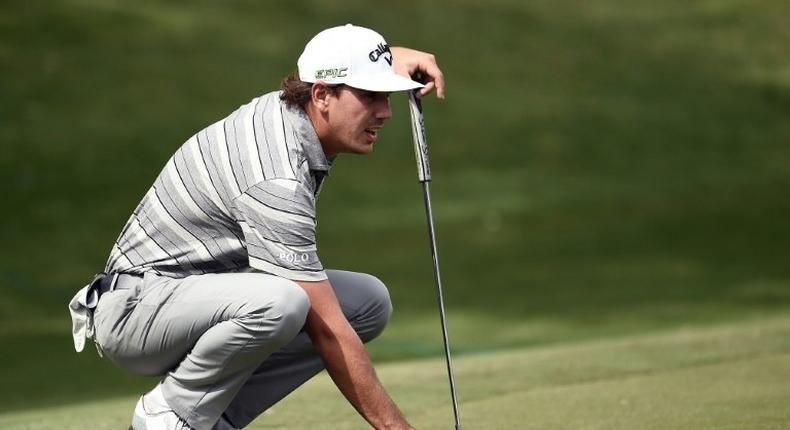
{"type": "Point", "coordinates": [424, 176]}
{"type": "Point", "coordinates": [426, 190]}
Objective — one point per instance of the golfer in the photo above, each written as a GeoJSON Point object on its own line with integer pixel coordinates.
{"type": "Point", "coordinates": [215, 282]}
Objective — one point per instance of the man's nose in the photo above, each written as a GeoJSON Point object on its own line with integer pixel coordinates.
{"type": "Point", "coordinates": [383, 110]}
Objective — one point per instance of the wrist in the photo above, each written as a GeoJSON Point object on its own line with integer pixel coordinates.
{"type": "Point", "coordinates": [401, 425]}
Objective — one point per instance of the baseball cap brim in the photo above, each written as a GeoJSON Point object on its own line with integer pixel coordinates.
{"type": "Point", "coordinates": [383, 82]}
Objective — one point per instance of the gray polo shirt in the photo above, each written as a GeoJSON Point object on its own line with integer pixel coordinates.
{"type": "Point", "coordinates": [240, 193]}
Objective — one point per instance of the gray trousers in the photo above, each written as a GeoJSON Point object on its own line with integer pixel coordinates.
{"type": "Point", "coordinates": [228, 343]}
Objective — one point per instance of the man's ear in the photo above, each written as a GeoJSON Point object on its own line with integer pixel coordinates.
{"type": "Point", "coordinates": [319, 95]}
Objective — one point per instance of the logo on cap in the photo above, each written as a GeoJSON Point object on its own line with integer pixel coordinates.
{"type": "Point", "coordinates": [331, 73]}
{"type": "Point", "coordinates": [380, 50]}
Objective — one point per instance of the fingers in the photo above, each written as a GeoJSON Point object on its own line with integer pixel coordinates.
{"type": "Point", "coordinates": [426, 64]}
{"type": "Point", "coordinates": [408, 62]}
{"type": "Point", "coordinates": [438, 83]}
{"type": "Point", "coordinates": [430, 86]}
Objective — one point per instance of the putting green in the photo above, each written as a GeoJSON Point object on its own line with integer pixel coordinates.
{"type": "Point", "coordinates": [725, 377]}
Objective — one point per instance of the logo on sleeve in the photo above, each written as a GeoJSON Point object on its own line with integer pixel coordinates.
{"type": "Point", "coordinates": [294, 257]}
{"type": "Point", "coordinates": [379, 52]}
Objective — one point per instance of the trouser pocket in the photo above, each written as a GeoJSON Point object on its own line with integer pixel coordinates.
{"type": "Point", "coordinates": [111, 318]}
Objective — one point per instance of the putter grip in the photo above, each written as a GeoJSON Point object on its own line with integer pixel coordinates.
{"type": "Point", "coordinates": [418, 133]}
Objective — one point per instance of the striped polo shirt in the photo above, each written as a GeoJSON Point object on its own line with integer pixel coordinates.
{"type": "Point", "coordinates": [240, 193]}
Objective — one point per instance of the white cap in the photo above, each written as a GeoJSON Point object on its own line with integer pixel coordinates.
{"type": "Point", "coordinates": [356, 56]}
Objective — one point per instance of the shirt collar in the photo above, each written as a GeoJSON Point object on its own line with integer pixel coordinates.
{"type": "Point", "coordinates": [305, 134]}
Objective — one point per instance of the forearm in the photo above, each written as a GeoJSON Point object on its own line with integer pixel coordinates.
{"type": "Point", "coordinates": [348, 363]}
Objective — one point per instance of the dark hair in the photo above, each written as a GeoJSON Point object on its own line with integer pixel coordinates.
{"type": "Point", "coordinates": [296, 93]}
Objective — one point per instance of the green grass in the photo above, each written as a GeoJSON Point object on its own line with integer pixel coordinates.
{"type": "Point", "coordinates": [727, 377]}
{"type": "Point", "coordinates": [601, 169]}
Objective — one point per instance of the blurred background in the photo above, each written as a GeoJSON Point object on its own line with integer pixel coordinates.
{"type": "Point", "coordinates": [601, 168]}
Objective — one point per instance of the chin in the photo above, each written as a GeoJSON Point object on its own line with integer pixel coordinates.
{"type": "Point", "coordinates": [363, 148]}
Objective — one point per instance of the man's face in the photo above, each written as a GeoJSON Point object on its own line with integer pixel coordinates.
{"type": "Point", "coordinates": [355, 117]}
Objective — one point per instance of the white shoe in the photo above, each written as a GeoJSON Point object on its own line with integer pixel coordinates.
{"type": "Point", "coordinates": [162, 420]}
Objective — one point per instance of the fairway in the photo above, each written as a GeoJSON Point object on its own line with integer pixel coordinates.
{"type": "Point", "coordinates": [726, 377]}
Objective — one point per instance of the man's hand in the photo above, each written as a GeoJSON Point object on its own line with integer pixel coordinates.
{"type": "Point", "coordinates": [346, 359]}
{"type": "Point", "coordinates": [408, 62]}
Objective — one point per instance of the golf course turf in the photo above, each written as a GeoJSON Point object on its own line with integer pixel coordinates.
{"type": "Point", "coordinates": [725, 377]}
{"type": "Point", "coordinates": [610, 187]}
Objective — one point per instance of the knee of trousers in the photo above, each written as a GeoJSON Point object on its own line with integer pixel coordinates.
{"type": "Point", "coordinates": [273, 315]}
{"type": "Point", "coordinates": [375, 311]}
{"type": "Point", "coordinates": [283, 316]}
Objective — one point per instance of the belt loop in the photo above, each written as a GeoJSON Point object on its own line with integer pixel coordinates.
{"type": "Point", "coordinates": [114, 281]}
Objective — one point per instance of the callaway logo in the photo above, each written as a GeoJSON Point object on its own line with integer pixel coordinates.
{"type": "Point", "coordinates": [380, 50]}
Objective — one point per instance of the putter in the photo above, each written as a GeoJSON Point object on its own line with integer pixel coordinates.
{"type": "Point", "coordinates": [424, 175]}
